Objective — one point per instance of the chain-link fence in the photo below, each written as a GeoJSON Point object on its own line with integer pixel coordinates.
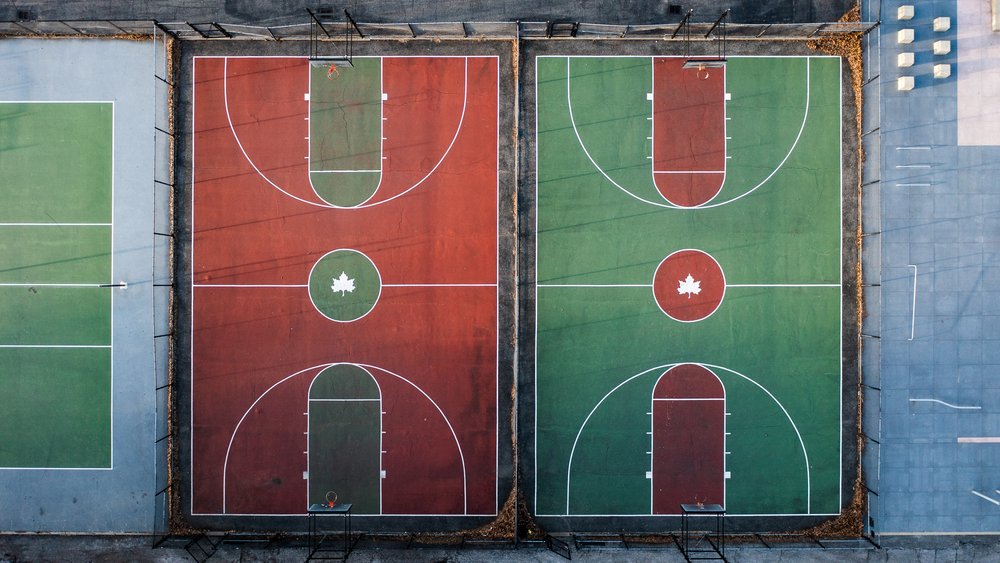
{"type": "Point", "coordinates": [564, 29]}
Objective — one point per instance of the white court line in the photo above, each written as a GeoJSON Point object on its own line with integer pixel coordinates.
{"type": "Point", "coordinates": [251, 285]}
{"type": "Point", "coordinates": [915, 148]}
{"type": "Point", "coordinates": [646, 285]}
{"type": "Point", "coordinates": [689, 171]}
{"type": "Point", "coordinates": [4, 284]}
{"type": "Point", "coordinates": [795, 428]}
{"type": "Point", "coordinates": [978, 439]}
{"type": "Point", "coordinates": [949, 405]}
{"type": "Point", "coordinates": [576, 131]}
{"type": "Point", "coordinates": [782, 285]}
{"type": "Point", "coordinates": [652, 140]}
{"type": "Point", "coordinates": [381, 433]}
{"type": "Point", "coordinates": [727, 285]}
{"type": "Point", "coordinates": [439, 285]}
{"type": "Point", "coordinates": [339, 171]}
{"type": "Point", "coordinates": [247, 285]}
{"type": "Point", "coordinates": [55, 346]}
{"type": "Point", "coordinates": [981, 495]}
{"type": "Point", "coordinates": [55, 224]}
{"type": "Point", "coordinates": [345, 400]}
{"type": "Point", "coordinates": [913, 307]}
{"type": "Point", "coordinates": [381, 134]}
{"type": "Point", "coordinates": [232, 437]}
{"type": "Point", "coordinates": [458, 444]}
{"type": "Point", "coordinates": [704, 399]}
{"type": "Point", "coordinates": [232, 128]}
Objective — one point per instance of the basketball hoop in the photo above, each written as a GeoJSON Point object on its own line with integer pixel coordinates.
{"type": "Point", "coordinates": [703, 66]}
{"type": "Point", "coordinates": [332, 72]}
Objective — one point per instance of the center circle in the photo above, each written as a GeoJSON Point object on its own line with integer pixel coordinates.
{"type": "Point", "coordinates": [689, 285]}
{"type": "Point", "coordinates": [344, 285]}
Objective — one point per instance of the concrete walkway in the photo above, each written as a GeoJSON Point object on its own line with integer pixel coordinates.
{"type": "Point", "coordinates": [137, 548]}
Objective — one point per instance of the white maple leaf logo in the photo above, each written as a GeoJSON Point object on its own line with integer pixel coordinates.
{"type": "Point", "coordinates": [689, 286]}
{"type": "Point", "coordinates": [343, 284]}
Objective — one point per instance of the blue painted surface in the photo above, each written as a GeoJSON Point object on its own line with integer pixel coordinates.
{"type": "Point", "coordinates": [949, 230]}
{"type": "Point", "coordinates": [120, 499]}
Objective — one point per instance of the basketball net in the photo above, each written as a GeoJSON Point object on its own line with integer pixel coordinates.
{"type": "Point", "coordinates": [703, 72]}
{"type": "Point", "coordinates": [332, 72]}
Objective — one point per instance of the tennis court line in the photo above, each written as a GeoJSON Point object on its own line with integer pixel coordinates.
{"type": "Point", "coordinates": [55, 224]}
{"type": "Point", "coordinates": [11, 284]}
{"type": "Point", "coordinates": [108, 346]}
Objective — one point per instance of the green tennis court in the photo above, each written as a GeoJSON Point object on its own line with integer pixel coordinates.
{"type": "Point", "coordinates": [55, 272]}
{"type": "Point", "coordinates": [741, 278]}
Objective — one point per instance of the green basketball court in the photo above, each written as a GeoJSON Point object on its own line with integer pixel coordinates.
{"type": "Point", "coordinates": [771, 235]}
{"type": "Point", "coordinates": [55, 277]}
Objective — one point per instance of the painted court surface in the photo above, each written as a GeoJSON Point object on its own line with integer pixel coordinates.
{"type": "Point", "coordinates": [688, 322]}
{"type": "Point", "coordinates": [345, 285]}
{"type": "Point", "coordinates": [55, 272]}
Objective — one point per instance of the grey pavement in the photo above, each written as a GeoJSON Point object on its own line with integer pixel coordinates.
{"type": "Point", "coordinates": [934, 315]}
{"type": "Point", "coordinates": [44, 549]}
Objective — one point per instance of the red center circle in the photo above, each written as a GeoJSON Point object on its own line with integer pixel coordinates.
{"type": "Point", "coordinates": [689, 285]}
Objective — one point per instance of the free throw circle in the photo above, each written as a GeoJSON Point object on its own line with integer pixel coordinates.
{"type": "Point", "coordinates": [689, 285]}
{"type": "Point", "coordinates": [344, 285]}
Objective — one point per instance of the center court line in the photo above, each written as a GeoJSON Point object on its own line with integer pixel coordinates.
{"type": "Point", "coordinates": [246, 285]}
{"type": "Point", "coordinates": [594, 285]}
{"type": "Point", "coordinates": [54, 285]}
{"type": "Point", "coordinates": [979, 440]}
{"type": "Point", "coordinates": [782, 285]}
{"type": "Point", "coordinates": [727, 285]}
{"type": "Point", "coordinates": [383, 285]}
{"type": "Point", "coordinates": [439, 285]}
